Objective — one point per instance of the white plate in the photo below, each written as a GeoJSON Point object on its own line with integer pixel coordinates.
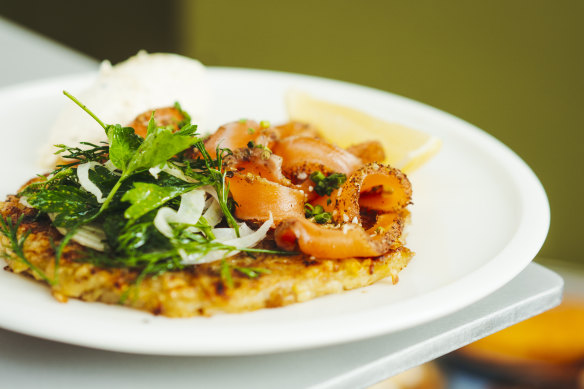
{"type": "Point", "coordinates": [479, 217]}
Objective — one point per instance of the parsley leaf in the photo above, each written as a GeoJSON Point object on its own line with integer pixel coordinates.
{"type": "Point", "coordinates": [104, 179]}
{"type": "Point", "coordinates": [160, 145]}
{"type": "Point", "coordinates": [71, 205]}
{"type": "Point", "coordinates": [146, 197]}
{"type": "Point", "coordinates": [123, 145]}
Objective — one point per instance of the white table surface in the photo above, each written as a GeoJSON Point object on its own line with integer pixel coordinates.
{"type": "Point", "coordinates": [27, 362]}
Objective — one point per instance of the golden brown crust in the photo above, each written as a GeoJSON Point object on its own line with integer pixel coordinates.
{"type": "Point", "coordinates": [196, 290]}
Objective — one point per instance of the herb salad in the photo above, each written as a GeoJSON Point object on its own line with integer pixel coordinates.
{"type": "Point", "coordinates": [152, 204]}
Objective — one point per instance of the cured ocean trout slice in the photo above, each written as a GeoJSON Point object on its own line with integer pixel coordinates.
{"type": "Point", "coordinates": [376, 187]}
{"type": "Point", "coordinates": [257, 197]}
{"type": "Point", "coordinates": [372, 177]}
{"type": "Point", "coordinates": [302, 154]}
{"type": "Point", "coordinates": [349, 241]}
{"type": "Point", "coordinates": [348, 238]}
{"type": "Point", "coordinates": [167, 116]}
{"type": "Point", "coordinates": [258, 162]}
{"type": "Point", "coordinates": [232, 136]}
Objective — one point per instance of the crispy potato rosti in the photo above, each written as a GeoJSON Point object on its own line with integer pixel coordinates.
{"type": "Point", "coordinates": [196, 290]}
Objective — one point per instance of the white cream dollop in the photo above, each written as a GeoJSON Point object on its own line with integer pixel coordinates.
{"type": "Point", "coordinates": [121, 92]}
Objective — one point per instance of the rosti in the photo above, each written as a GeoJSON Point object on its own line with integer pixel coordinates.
{"type": "Point", "coordinates": [321, 238]}
{"type": "Point", "coordinates": [195, 290]}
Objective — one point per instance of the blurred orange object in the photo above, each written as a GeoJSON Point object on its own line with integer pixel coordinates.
{"type": "Point", "coordinates": [544, 351]}
{"type": "Point", "coordinates": [555, 336]}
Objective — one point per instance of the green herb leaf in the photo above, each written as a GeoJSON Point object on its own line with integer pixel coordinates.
{"type": "Point", "coordinates": [187, 118]}
{"type": "Point", "coordinates": [78, 155]}
{"type": "Point", "coordinates": [218, 181]}
{"type": "Point", "coordinates": [135, 237]}
{"type": "Point", "coordinates": [103, 178]}
{"type": "Point", "coordinates": [10, 230]}
{"type": "Point", "coordinates": [147, 197]}
{"type": "Point", "coordinates": [151, 124]}
{"type": "Point", "coordinates": [66, 175]}
{"type": "Point", "coordinates": [123, 145]}
{"type": "Point", "coordinates": [188, 130]}
{"type": "Point", "coordinates": [71, 204]}
{"type": "Point", "coordinates": [160, 145]}
{"type": "Point", "coordinates": [225, 273]}
{"type": "Point", "coordinates": [83, 107]}
{"type": "Point", "coordinates": [252, 272]}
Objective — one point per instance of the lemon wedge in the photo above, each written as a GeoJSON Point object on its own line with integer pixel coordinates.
{"type": "Point", "coordinates": [405, 148]}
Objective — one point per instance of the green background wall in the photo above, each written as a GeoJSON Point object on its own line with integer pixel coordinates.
{"type": "Point", "coordinates": [513, 68]}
